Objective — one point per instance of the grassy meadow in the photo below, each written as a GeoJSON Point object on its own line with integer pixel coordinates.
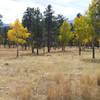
{"type": "Point", "coordinates": [49, 76]}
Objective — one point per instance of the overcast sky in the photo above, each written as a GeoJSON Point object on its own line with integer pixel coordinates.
{"type": "Point", "coordinates": [13, 9]}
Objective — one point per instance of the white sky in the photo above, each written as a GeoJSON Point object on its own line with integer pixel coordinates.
{"type": "Point", "coordinates": [13, 9]}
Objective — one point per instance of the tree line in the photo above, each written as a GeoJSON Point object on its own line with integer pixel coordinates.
{"type": "Point", "coordinates": [44, 29]}
{"type": "Point", "coordinates": [39, 30]}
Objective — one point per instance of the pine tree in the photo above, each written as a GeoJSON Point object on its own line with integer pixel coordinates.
{"type": "Point", "coordinates": [48, 23]}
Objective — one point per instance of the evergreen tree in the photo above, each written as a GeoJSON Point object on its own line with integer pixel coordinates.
{"type": "Point", "coordinates": [28, 22]}
{"type": "Point", "coordinates": [38, 32]}
{"type": "Point", "coordinates": [56, 23]}
{"type": "Point", "coordinates": [33, 20]}
{"type": "Point", "coordinates": [1, 23]}
{"type": "Point", "coordinates": [48, 24]}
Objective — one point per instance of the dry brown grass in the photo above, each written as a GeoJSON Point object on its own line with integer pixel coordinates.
{"type": "Point", "coordinates": [98, 79]}
{"type": "Point", "coordinates": [74, 77]}
{"type": "Point", "coordinates": [88, 85]}
{"type": "Point", "coordinates": [20, 90]}
{"type": "Point", "coordinates": [84, 88]}
{"type": "Point", "coordinates": [60, 90]}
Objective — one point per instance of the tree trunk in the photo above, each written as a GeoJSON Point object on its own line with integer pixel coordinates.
{"type": "Point", "coordinates": [17, 51]}
{"type": "Point", "coordinates": [48, 41]}
{"type": "Point", "coordinates": [13, 46]}
{"type": "Point", "coordinates": [48, 46]}
{"type": "Point", "coordinates": [37, 51]}
{"type": "Point", "coordinates": [99, 44]}
{"type": "Point", "coordinates": [63, 48]}
{"type": "Point", "coordinates": [9, 46]}
{"type": "Point", "coordinates": [93, 50]}
{"type": "Point", "coordinates": [22, 48]}
{"type": "Point", "coordinates": [43, 50]}
{"type": "Point", "coordinates": [79, 49]}
{"type": "Point", "coordinates": [32, 49]}
{"type": "Point", "coordinates": [25, 47]}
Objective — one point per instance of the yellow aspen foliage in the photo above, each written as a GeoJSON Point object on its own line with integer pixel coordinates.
{"type": "Point", "coordinates": [65, 34]}
{"type": "Point", "coordinates": [84, 29]}
{"type": "Point", "coordinates": [18, 33]}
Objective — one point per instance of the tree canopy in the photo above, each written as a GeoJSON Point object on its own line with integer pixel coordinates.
{"type": "Point", "coordinates": [18, 33]}
{"type": "Point", "coordinates": [65, 34]}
